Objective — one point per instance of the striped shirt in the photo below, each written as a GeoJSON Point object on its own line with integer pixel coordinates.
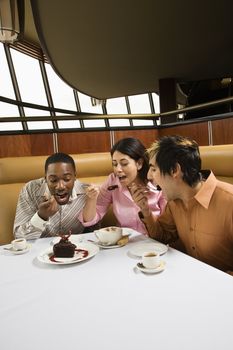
{"type": "Point", "coordinates": [29, 225]}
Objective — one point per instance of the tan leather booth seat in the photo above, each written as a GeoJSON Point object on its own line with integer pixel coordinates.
{"type": "Point", "coordinates": [219, 159]}
{"type": "Point", "coordinates": [16, 171]}
{"type": "Point", "coordinates": [9, 195]}
{"type": "Point", "coordinates": [91, 168]}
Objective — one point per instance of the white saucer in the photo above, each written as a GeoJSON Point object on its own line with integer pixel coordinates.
{"type": "Point", "coordinates": [109, 246]}
{"type": "Point", "coordinates": [18, 252]}
{"type": "Point", "coordinates": [160, 268]}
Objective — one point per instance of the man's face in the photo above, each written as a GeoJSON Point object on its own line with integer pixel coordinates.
{"type": "Point", "coordinates": [60, 179]}
{"type": "Point", "coordinates": [165, 182]}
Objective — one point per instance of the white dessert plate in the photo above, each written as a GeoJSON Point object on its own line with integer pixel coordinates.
{"type": "Point", "coordinates": [47, 255]}
{"type": "Point", "coordinates": [17, 252]}
{"type": "Point", "coordinates": [139, 248]}
{"type": "Point", "coordinates": [73, 239]}
{"type": "Point", "coordinates": [160, 268]}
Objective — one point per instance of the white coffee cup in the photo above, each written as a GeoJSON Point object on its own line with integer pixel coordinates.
{"type": "Point", "coordinates": [151, 260]}
{"type": "Point", "coordinates": [109, 235]}
{"type": "Point", "coordinates": [19, 244]}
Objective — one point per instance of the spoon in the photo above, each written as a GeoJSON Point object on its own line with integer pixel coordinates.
{"type": "Point", "coordinates": [112, 187]}
{"type": "Point", "coordinates": [15, 250]}
{"type": "Point", "coordinates": [5, 248]}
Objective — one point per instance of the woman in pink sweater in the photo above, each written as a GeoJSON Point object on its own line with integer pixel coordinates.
{"type": "Point", "coordinates": [130, 167]}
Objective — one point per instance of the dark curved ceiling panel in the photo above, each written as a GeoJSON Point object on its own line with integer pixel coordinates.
{"type": "Point", "coordinates": [114, 48]}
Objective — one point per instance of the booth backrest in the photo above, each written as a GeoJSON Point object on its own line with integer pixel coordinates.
{"type": "Point", "coordinates": [91, 168]}
{"type": "Point", "coordinates": [16, 171]}
{"type": "Point", "coordinates": [219, 159]}
{"type": "Point", "coordinates": [24, 169]}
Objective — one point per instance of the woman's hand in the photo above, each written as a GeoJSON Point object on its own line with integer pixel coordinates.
{"type": "Point", "coordinates": [92, 192]}
{"type": "Point", "coordinates": [89, 210]}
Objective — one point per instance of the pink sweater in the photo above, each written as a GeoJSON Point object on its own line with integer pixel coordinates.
{"type": "Point", "coordinates": [124, 208]}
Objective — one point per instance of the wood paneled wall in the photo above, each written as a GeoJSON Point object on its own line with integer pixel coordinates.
{"type": "Point", "coordinates": [145, 136]}
{"type": "Point", "coordinates": [78, 142]}
{"type": "Point", "coordinates": [84, 142]}
{"type": "Point", "coordinates": [26, 145]}
{"type": "Point", "coordinates": [222, 131]}
{"type": "Point", "coordinates": [101, 141]}
{"type": "Point", "coordinates": [197, 132]}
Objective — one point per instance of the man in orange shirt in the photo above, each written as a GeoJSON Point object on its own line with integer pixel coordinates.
{"type": "Point", "coordinates": [199, 211]}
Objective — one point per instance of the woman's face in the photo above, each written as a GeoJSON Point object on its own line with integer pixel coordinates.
{"type": "Point", "coordinates": [125, 168]}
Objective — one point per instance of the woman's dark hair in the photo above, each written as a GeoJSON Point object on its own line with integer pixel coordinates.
{"type": "Point", "coordinates": [172, 150]}
{"type": "Point", "coordinates": [59, 158]}
{"type": "Point", "coordinates": [133, 148]}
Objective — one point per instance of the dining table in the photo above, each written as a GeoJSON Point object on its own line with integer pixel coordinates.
{"type": "Point", "coordinates": [105, 302]}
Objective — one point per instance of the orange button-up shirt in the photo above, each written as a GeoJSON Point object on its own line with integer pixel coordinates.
{"type": "Point", "coordinates": [205, 227]}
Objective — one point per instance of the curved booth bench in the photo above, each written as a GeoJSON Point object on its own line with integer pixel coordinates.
{"type": "Point", "coordinates": [91, 168]}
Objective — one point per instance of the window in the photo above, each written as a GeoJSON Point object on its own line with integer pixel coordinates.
{"type": "Point", "coordinates": [68, 124]}
{"type": "Point", "coordinates": [8, 110]}
{"type": "Point", "coordinates": [30, 112]}
{"type": "Point", "coordinates": [155, 98]}
{"type": "Point", "coordinates": [30, 84]}
{"type": "Point", "coordinates": [11, 126]}
{"type": "Point", "coordinates": [62, 94]}
{"type": "Point", "coordinates": [116, 106]}
{"type": "Point", "coordinates": [32, 87]}
{"type": "Point", "coordinates": [142, 122]}
{"type": "Point", "coordinates": [139, 104]}
{"type": "Point", "coordinates": [94, 123]}
{"type": "Point", "coordinates": [86, 105]}
{"type": "Point", "coordinates": [40, 125]}
{"type": "Point", "coordinates": [119, 122]}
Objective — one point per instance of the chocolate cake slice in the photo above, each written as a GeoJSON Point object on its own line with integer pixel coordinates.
{"type": "Point", "coordinates": [64, 248]}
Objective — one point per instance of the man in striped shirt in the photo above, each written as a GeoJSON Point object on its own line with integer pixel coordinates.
{"type": "Point", "coordinates": [49, 206]}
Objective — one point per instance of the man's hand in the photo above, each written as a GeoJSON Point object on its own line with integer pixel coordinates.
{"type": "Point", "coordinates": [47, 208]}
{"type": "Point", "coordinates": [139, 195]}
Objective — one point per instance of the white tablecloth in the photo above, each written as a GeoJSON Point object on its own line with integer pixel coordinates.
{"type": "Point", "coordinates": [105, 303]}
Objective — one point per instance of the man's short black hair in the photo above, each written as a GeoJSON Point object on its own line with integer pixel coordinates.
{"type": "Point", "coordinates": [169, 151]}
{"type": "Point", "coordinates": [59, 157]}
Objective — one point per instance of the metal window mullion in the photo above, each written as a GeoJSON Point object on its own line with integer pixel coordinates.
{"type": "Point", "coordinates": [128, 109]}
{"type": "Point", "coordinates": [77, 102]}
{"type": "Point", "coordinates": [104, 109]}
{"type": "Point", "coordinates": [48, 92]}
{"type": "Point", "coordinates": [15, 83]}
{"type": "Point", "coordinates": [152, 107]}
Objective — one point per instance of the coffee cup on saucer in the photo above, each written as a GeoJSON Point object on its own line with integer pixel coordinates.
{"type": "Point", "coordinates": [151, 260]}
{"type": "Point", "coordinates": [19, 244]}
{"type": "Point", "coordinates": [109, 235]}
